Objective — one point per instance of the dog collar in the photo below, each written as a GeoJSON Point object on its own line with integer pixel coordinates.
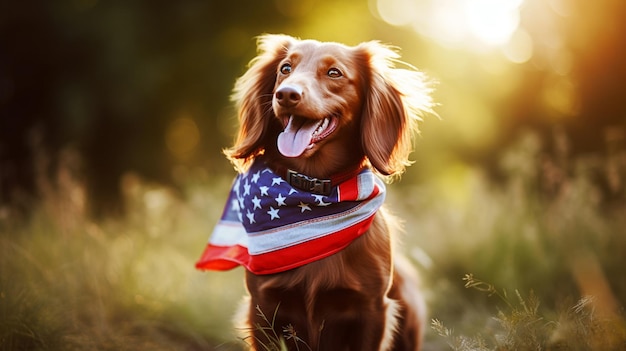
{"type": "Point", "coordinates": [315, 185]}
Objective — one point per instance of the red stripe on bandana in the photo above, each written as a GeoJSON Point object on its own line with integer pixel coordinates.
{"type": "Point", "coordinates": [223, 258]}
{"type": "Point", "coordinates": [349, 190]}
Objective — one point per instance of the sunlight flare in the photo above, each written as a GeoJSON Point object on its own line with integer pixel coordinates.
{"type": "Point", "coordinates": [473, 24]}
{"type": "Point", "coordinates": [493, 22]}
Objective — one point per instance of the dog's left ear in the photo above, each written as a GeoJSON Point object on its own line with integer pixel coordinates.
{"type": "Point", "coordinates": [395, 100]}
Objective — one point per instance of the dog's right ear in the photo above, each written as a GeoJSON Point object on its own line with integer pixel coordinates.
{"type": "Point", "coordinates": [252, 96]}
{"type": "Point", "coordinates": [396, 99]}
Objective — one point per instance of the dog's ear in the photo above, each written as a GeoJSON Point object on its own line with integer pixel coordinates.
{"type": "Point", "coordinates": [252, 96]}
{"type": "Point", "coordinates": [395, 100]}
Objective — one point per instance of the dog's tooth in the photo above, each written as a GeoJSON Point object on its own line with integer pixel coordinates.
{"type": "Point", "coordinates": [318, 129]}
{"type": "Point", "coordinates": [321, 126]}
{"type": "Point", "coordinates": [324, 124]}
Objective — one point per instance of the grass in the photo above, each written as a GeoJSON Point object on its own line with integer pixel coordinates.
{"type": "Point", "coordinates": [68, 283]}
{"type": "Point", "coordinates": [274, 341]}
{"type": "Point", "coordinates": [523, 325]}
{"type": "Point", "coordinates": [548, 239]}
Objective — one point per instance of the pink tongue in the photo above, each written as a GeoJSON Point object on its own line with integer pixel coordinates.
{"type": "Point", "coordinates": [296, 137]}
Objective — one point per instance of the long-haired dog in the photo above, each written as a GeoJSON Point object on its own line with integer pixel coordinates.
{"type": "Point", "coordinates": [319, 119]}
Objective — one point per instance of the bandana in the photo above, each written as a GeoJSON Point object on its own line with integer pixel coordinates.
{"type": "Point", "coordinates": [268, 226]}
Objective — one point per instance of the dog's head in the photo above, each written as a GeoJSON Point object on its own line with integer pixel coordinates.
{"type": "Point", "coordinates": [321, 107]}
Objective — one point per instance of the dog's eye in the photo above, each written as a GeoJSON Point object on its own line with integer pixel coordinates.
{"type": "Point", "coordinates": [285, 68]}
{"type": "Point", "coordinates": [334, 73]}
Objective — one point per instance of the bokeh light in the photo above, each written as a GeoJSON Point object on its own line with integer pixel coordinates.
{"type": "Point", "coordinates": [519, 48]}
{"type": "Point", "coordinates": [182, 137]}
{"type": "Point", "coordinates": [475, 24]}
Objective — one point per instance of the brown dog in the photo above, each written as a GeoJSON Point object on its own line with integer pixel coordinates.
{"type": "Point", "coordinates": [323, 116]}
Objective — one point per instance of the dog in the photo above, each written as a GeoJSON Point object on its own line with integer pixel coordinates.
{"type": "Point", "coordinates": [324, 123]}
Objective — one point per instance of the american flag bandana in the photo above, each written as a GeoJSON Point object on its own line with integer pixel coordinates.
{"type": "Point", "coordinates": [268, 226]}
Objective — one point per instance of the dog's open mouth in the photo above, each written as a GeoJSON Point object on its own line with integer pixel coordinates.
{"type": "Point", "coordinates": [302, 133]}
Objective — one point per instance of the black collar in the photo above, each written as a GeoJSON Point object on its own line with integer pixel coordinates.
{"type": "Point", "coordinates": [312, 184]}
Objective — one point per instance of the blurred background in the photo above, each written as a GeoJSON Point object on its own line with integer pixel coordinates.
{"type": "Point", "coordinates": [113, 115]}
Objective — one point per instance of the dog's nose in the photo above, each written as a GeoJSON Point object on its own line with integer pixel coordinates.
{"type": "Point", "coordinates": [288, 95]}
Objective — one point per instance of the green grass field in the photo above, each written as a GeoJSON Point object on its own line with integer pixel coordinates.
{"type": "Point", "coordinates": [534, 262]}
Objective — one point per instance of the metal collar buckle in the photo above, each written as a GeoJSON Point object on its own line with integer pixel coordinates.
{"type": "Point", "coordinates": [304, 182]}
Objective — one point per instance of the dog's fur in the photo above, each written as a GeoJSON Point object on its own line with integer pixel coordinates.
{"type": "Point", "coordinates": [364, 297]}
